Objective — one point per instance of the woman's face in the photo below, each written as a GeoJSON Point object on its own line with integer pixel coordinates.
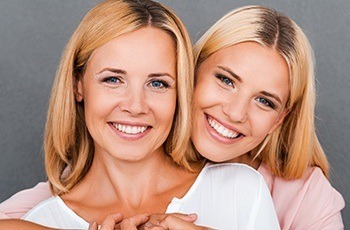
{"type": "Point", "coordinates": [129, 94]}
{"type": "Point", "coordinates": [240, 97]}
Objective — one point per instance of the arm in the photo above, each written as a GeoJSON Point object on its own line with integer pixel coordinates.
{"type": "Point", "coordinates": [108, 224]}
{"type": "Point", "coordinates": [318, 204]}
{"type": "Point", "coordinates": [306, 203]}
{"type": "Point", "coordinates": [14, 224]}
{"type": "Point", "coordinates": [20, 203]}
{"type": "Point", "coordinates": [266, 217]}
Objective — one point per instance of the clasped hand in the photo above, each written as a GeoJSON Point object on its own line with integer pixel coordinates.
{"type": "Point", "coordinates": [149, 222]}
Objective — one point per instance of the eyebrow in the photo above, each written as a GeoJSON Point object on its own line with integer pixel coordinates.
{"type": "Point", "coordinates": [120, 71]}
{"type": "Point", "coordinates": [160, 75]}
{"type": "Point", "coordinates": [275, 96]}
{"type": "Point", "coordinates": [227, 70]}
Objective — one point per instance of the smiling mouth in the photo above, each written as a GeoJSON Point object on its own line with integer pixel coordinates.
{"type": "Point", "coordinates": [222, 130]}
{"type": "Point", "coordinates": [130, 129]}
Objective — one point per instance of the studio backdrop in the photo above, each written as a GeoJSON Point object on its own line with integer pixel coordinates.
{"type": "Point", "coordinates": [33, 34]}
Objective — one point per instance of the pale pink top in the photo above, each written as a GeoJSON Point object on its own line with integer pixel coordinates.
{"type": "Point", "coordinates": [308, 203]}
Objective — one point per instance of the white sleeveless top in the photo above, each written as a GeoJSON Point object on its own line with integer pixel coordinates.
{"type": "Point", "coordinates": [225, 196]}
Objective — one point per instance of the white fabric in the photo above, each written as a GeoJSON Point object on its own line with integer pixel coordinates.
{"type": "Point", "coordinates": [54, 213]}
{"type": "Point", "coordinates": [225, 196]}
{"type": "Point", "coordinates": [229, 196]}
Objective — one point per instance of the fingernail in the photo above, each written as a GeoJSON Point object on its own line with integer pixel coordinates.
{"type": "Point", "coordinates": [192, 215]}
{"type": "Point", "coordinates": [148, 224]}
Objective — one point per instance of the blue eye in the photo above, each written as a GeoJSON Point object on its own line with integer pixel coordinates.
{"type": "Point", "coordinates": [266, 102]}
{"type": "Point", "coordinates": [112, 80]}
{"type": "Point", "coordinates": [225, 80]}
{"type": "Point", "coordinates": [159, 84]}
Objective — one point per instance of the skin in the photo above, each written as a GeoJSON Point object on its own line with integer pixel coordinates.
{"type": "Point", "coordinates": [124, 88]}
{"type": "Point", "coordinates": [153, 222]}
{"type": "Point", "coordinates": [243, 90]}
{"type": "Point", "coordinates": [126, 84]}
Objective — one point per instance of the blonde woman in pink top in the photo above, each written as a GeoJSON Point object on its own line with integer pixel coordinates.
{"type": "Point", "coordinates": [249, 111]}
{"type": "Point", "coordinates": [239, 94]}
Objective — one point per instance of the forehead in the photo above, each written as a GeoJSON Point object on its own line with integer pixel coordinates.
{"type": "Point", "coordinates": [147, 48]}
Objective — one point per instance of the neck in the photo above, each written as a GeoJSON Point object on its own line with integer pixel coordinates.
{"type": "Point", "coordinates": [247, 159]}
{"type": "Point", "coordinates": [122, 179]}
{"type": "Point", "coordinates": [129, 187]}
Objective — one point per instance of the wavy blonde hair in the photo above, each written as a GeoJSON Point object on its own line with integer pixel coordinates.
{"type": "Point", "coordinates": [68, 143]}
{"type": "Point", "coordinates": [294, 146]}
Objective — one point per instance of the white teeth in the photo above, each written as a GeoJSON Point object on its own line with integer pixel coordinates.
{"type": "Point", "coordinates": [128, 129]}
{"type": "Point", "coordinates": [222, 130]}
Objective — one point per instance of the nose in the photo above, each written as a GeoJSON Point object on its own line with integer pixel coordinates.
{"type": "Point", "coordinates": [134, 102]}
{"type": "Point", "coordinates": [236, 109]}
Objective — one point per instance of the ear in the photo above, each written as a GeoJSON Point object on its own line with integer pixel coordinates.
{"type": "Point", "coordinates": [279, 120]}
{"type": "Point", "coordinates": [79, 92]}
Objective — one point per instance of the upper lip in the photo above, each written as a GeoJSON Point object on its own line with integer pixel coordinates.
{"type": "Point", "coordinates": [230, 127]}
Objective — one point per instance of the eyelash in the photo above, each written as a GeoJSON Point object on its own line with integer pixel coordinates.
{"type": "Point", "coordinates": [267, 102]}
{"type": "Point", "coordinates": [108, 80]}
{"type": "Point", "coordinates": [225, 80]}
{"type": "Point", "coordinates": [117, 80]}
{"type": "Point", "coordinates": [164, 85]}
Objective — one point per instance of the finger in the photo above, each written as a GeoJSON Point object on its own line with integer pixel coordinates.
{"type": "Point", "coordinates": [110, 221]}
{"type": "Point", "coordinates": [151, 226]}
{"type": "Point", "coordinates": [132, 222]}
{"type": "Point", "coordinates": [156, 218]}
{"type": "Point", "coordinates": [192, 217]}
{"type": "Point", "coordinates": [179, 221]}
{"type": "Point", "coordinates": [93, 226]}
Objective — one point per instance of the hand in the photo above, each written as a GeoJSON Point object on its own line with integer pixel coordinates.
{"type": "Point", "coordinates": [109, 223]}
{"type": "Point", "coordinates": [132, 223]}
{"type": "Point", "coordinates": [172, 221]}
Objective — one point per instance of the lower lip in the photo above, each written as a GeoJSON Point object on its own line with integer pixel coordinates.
{"type": "Point", "coordinates": [212, 132]}
{"type": "Point", "coordinates": [129, 137]}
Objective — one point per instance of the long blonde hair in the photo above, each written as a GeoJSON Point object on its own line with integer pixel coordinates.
{"type": "Point", "coordinates": [68, 144]}
{"type": "Point", "coordinates": [294, 146]}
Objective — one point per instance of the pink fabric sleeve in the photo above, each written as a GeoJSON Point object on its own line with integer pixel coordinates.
{"type": "Point", "coordinates": [307, 203]}
{"type": "Point", "coordinates": [20, 203]}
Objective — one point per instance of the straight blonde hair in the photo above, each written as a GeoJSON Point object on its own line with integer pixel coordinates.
{"type": "Point", "coordinates": [294, 146]}
{"type": "Point", "coordinates": [68, 146]}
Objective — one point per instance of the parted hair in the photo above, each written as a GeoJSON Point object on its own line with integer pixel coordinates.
{"type": "Point", "coordinates": [294, 146]}
{"type": "Point", "coordinates": [68, 146]}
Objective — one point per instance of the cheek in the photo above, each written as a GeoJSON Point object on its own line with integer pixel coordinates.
{"type": "Point", "coordinates": [164, 106]}
{"type": "Point", "coordinates": [96, 101]}
{"type": "Point", "coordinates": [262, 124]}
{"type": "Point", "coordinates": [98, 105]}
{"type": "Point", "coordinates": [206, 94]}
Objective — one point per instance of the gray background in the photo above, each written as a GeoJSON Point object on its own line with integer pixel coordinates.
{"type": "Point", "coordinates": [33, 34]}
